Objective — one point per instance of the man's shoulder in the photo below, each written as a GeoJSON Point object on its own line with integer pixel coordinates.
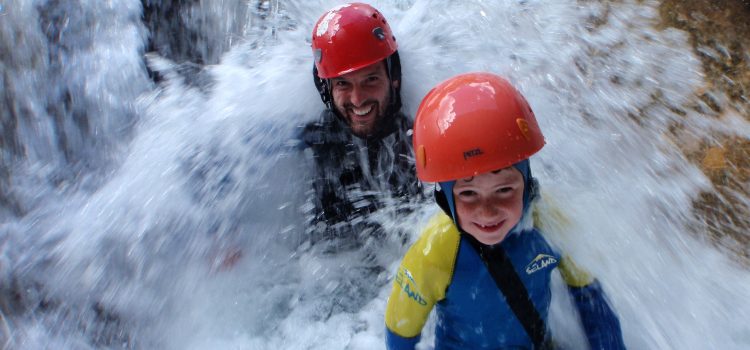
{"type": "Point", "coordinates": [402, 121]}
{"type": "Point", "coordinates": [321, 130]}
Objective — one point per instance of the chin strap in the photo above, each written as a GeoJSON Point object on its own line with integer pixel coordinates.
{"type": "Point", "coordinates": [324, 88]}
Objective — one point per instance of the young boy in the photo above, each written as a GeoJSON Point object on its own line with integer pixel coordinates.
{"type": "Point", "coordinates": [482, 264]}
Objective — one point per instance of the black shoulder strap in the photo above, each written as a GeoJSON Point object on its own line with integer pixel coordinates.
{"type": "Point", "coordinates": [508, 281]}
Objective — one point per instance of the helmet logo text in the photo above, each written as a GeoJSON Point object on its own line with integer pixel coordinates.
{"type": "Point", "coordinates": [473, 153]}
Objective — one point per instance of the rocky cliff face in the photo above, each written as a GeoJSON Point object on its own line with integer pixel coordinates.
{"type": "Point", "coordinates": [720, 35]}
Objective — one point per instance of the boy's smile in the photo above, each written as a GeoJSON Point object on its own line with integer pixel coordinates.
{"type": "Point", "coordinates": [489, 205]}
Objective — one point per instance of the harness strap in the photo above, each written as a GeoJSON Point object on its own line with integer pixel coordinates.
{"type": "Point", "coordinates": [501, 268]}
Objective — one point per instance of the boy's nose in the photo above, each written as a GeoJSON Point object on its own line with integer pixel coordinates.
{"type": "Point", "coordinates": [487, 209]}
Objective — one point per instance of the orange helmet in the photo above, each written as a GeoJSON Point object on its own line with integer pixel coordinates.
{"type": "Point", "coordinates": [471, 124]}
{"type": "Point", "coordinates": [350, 37]}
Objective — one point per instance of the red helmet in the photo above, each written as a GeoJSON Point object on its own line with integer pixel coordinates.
{"type": "Point", "coordinates": [471, 124]}
{"type": "Point", "coordinates": [350, 37]}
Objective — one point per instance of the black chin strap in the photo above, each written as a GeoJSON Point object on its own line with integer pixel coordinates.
{"type": "Point", "coordinates": [323, 89]}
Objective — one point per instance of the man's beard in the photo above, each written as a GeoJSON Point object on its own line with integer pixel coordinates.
{"type": "Point", "coordinates": [360, 130]}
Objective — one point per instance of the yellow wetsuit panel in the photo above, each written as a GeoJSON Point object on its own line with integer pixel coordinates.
{"type": "Point", "coordinates": [550, 218]}
{"type": "Point", "coordinates": [572, 274]}
{"type": "Point", "coordinates": [423, 277]}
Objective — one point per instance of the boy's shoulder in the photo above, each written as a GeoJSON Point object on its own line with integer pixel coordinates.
{"type": "Point", "coordinates": [439, 239]}
{"type": "Point", "coordinates": [440, 229]}
{"type": "Point", "coordinates": [430, 261]}
{"type": "Point", "coordinates": [551, 219]}
{"type": "Point", "coordinates": [553, 222]}
{"type": "Point", "coordinates": [439, 224]}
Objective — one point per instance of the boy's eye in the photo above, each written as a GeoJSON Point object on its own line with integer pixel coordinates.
{"type": "Point", "coordinates": [505, 189]}
{"type": "Point", "coordinates": [467, 193]}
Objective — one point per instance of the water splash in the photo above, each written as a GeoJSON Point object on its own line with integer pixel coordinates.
{"type": "Point", "coordinates": [144, 256]}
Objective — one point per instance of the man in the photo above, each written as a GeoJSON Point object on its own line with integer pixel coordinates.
{"type": "Point", "coordinates": [361, 144]}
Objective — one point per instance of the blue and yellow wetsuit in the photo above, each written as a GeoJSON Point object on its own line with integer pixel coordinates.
{"type": "Point", "coordinates": [444, 271]}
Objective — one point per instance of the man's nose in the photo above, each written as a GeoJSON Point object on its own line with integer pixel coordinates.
{"type": "Point", "coordinates": [358, 96]}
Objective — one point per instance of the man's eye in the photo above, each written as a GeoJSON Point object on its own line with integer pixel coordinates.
{"type": "Point", "coordinates": [372, 81]}
{"type": "Point", "coordinates": [340, 83]}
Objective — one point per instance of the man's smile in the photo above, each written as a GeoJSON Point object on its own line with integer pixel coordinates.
{"type": "Point", "coordinates": [362, 111]}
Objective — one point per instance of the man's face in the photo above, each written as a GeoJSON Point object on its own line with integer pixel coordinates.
{"type": "Point", "coordinates": [361, 97]}
{"type": "Point", "coordinates": [490, 204]}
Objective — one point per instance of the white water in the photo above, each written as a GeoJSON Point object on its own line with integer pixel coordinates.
{"type": "Point", "coordinates": [141, 227]}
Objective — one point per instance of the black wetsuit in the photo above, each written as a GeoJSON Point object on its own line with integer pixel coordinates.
{"type": "Point", "coordinates": [355, 177]}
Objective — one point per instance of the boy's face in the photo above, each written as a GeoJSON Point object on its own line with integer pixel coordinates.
{"type": "Point", "coordinates": [490, 204]}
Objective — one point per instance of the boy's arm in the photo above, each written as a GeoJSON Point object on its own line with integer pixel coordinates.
{"type": "Point", "coordinates": [408, 307]}
{"type": "Point", "coordinates": [394, 341]}
{"type": "Point", "coordinates": [599, 321]}
{"type": "Point", "coordinates": [420, 282]}
{"type": "Point", "coordinates": [409, 304]}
